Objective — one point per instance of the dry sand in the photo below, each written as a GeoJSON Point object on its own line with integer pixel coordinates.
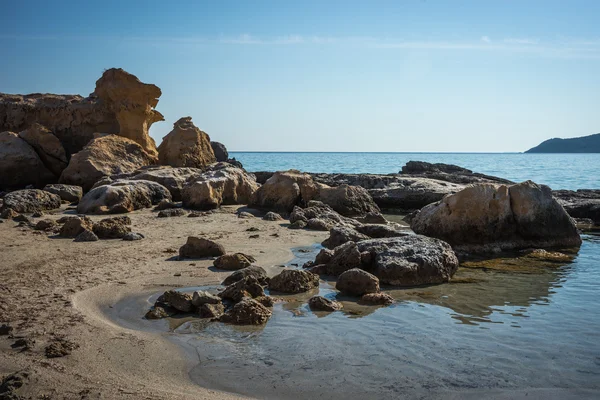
{"type": "Point", "coordinates": [53, 288]}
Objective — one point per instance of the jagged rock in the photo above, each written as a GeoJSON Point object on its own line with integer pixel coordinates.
{"type": "Point", "coordinates": [247, 312]}
{"type": "Point", "coordinates": [246, 287]}
{"type": "Point", "coordinates": [284, 190]}
{"type": "Point", "coordinates": [323, 257]}
{"type": "Point", "coordinates": [86, 236]}
{"type": "Point", "coordinates": [165, 205]}
{"type": "Point", "coordinates": [257, 272]}
{"type": "Point", "coordinates": [223, 185]}
{"type": "Point", "coordinates": [199, 247]}
{"type": "Point", "coordinates": [220, 151]}
{"type": "Point", "coordinates": [320, 303]}
{"type": "Point", "coordinates": [178, 300]}
{"type": "Point", "coordinates": [234, 261]}
{"type": "Point", "coordinates": [211, 310]}
{"type": "Point", "coordinates": [104, 156]}
{"type": "Point", "coordinates": [8, 213]}
{"type": "Point", "coordinates": [70, 193]}
{"type": "Point", "coordinates": [31, 200]}
{"type": "Point", "coordinates": [294, 281]}
{"type": "Point", "coordinates": [345, 257]}
{"type": "Point", "coordinates": [173, 212]}
{"type": "Point", "coordinates": [349, 201]}
{"type": "Point", "coordinates": [201, 297]}
{"type": "Point", "coordinates": [373, 218]}
{"type": "Point", "coordinates": [341, 234]}
{"type": "Point", "coordinates": [409, 194]}
{"type": "Point", "coordinates": [266, 301]}
{"type": "Point", "coordinates": [186, 146]}
{"type": "Point", "coordinates": [485, 217]}
{"type": "Point", "coordinates": [45, 225]}
{"type": "Point", "coordinates": [357, 282]}
{"type": "Point", "coordinates": [47, 146]}
{"type": "Point", "coordinates": [111, 228]}
{"type": "Point", "coordinates": [321, 211]}
{"type": "Point", "coordinates": [583, 203]}
{"type": "Point", "coordinates": [74, 226]}
{"type": "Point", "coordinates": [157, 312]}
{"type": "Point", "coordinates": [173, 179]}
{"type": "Point", "coordinates": [382, 299]}
{"type": "Point", "coordinates": [272, 216]}
{"type": "Point", "coordinates": [319, 224]}
{"type": "Point", "coordinates": [122, 197]}
{"type": "Point", "coordinates": [448, 173]}
{"type": "Point", "coordinates": [133, 236]}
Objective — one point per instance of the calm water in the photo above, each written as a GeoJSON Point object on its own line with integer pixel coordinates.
{"type": "Point", "coordinates": [559, 171]}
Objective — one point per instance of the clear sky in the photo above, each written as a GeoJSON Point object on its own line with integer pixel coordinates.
{"type": "Point", "coordinates": [412, 75]}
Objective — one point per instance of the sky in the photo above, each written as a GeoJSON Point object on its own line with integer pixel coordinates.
{"type": "Point", "coordinates": [399, 76]}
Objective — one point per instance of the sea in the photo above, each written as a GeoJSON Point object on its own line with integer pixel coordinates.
{"type": "Point", "coordinates": [559, 171]}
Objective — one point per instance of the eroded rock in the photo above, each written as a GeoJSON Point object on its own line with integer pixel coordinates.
{"type": "Point", "coordinates": [197, 247]}
{"type": "Point", "coordinates": [247, 312]}
{"type": "Point", "coordinates": [31, 200]}
{"type": "Point", "coordinates": [294, 281]}
{"type": "Point", "coordinates": [234, 261]}
{"type": "Point", "coordinates": [122, 197]}
{"type": "Point", "coordinates": [186, 146]}
{"type": "Point", "coordinates": [357, 282]}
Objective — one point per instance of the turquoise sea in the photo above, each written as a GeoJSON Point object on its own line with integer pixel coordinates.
{"type": "Point", "coordinates": [559, 171]}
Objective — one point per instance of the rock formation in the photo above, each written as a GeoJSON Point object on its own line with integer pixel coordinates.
{"type": "Point", "coordinates": [122, 196]}
{"type": "Point", "coordinates": [284, 190]}
{"type": "Point", "coordinates": [186, 146]}
{"type": "Point", "coordinates": [47, 146]}
{"type": "Point", "coordinates": [20, 165]}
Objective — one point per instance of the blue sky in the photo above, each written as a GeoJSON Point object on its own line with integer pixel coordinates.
{"type": "Point", "coordinates": [434, 75]}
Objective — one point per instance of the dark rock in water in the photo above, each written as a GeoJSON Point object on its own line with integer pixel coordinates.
{"type": "Point", "coordinates": [234, 261]}
{"type": "Point", "coordinates": [257, 272]}
{"type": "Point", "coordinates": [294, 281]}
{"type": "Point", "coordinates": [111, 228]}
{"type": "Point", "coordinates": [221, 153]}
{"type": "Point", "coordinates": [272, 216]}
{"type": "Point", "coordinates": [583, 203]}
{"type": "Point", "coordinates": [157, 312]}
{"type": "Point", "coordinates": [346, 256]}
{"type": "Point", "coordinates": [320, 303]}
{"type": "Point", "coordinates": [249, 286]}
{"type": "Point", "coordinates": [201, 297]}
{"type": "Point", "coordinates": [172, 212]}
{"type": "Point", "coordinates": [383, 299]}
{"type": "Point", "coordinates": [199, 248]}
{"type": "Point", "coordinates": [209, 310]}
{"type": "Point", "coordinates": [86, 236]}
{"type": "Point", "coordinates": [584, 144]}
{"type": "Point", "coordinates": [31, 200]}
{"type": "Point", "coordinates": [485, 217]}
{"type": "Point", "coordinates": [178, 300]}
{"type": "Point", "coordinates": [70, 193]}
{"type": "Point", "coordinates": [357, 282]}
{"type": "Point", "coordinates": [247, 312]}
{"type": "Point", "coordinates": [133, 236]}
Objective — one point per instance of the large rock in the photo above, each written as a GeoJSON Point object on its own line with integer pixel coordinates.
{"type": "Point", "coordinates": [448, 173]}
{"type": "Point", "coordinates": [345, 257]}
{"type": "Point", "coordinates": [246, 287]}
{"type": "Point", "coordinates": [220, 151]}
{"type": "Point", "coordinates": [104, 156]}
{"type": "Point", "coordinates": [20, 165]}
{"type": "Point", "coordinates": [286, 189]}
{"type": "Point", "coordinates": [70, 193]}
{"type": "Point", "coordinates": [31, 200]}
{"type": "Point", "coordinates": [357, 282]}
{"type": "Point", "coordinates": [247, 312]}
{"type": "Point", "coordinates": [196, 247]}
{"type": "Point", "coordinates": [349, 201]}
{"type": "Point", "coordinates": [186, 146]}
{"type": "Point", "coordinates": [294, 281]}
{"type": "Point", "coordinates": [122, 197]}
{"type": "Point", "coordinates": [341, 234]}
{"type": "Point", "coordinates": [488, 217]}
{"type": "Point", "coordinates": [257, 272]}
{"type": "Point", "coordinates": [47, 146]}
{"type": "Point", "coordinates": [75, 226]}
{"type": "Point", "coordinates": [583, 203]}
{"type": "Point", "coordinates": [223, 185]}
{"type": "Point", "coordinates": [111, 228]}
{"type": "Point", "coordinates": [408, 194]}
{"type": "Point", "coordinates": [173, 179]}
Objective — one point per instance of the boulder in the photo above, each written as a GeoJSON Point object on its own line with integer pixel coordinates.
{"type": "Point", "coordinates": [247, 312]}
{"type": "Point", "coordinates": [31, 200]}
{"type": "Point", "coordinates": [74, 226]}
{"type": "Point", "coordinates": [297, 225]}
{"type": "Point", "coordinates": [377, 299]}
{"type": "Point", "coordinates": [272, 216]}
{"type": "Point", "coordinates": [86, 236]}
{"type": "Point", "coordinates": [233, 262]}
{"type": "Point", "coordinates": [133, 236]}
{"type": "Point", "coordinates": [20, 165]}
{"type": "Point", "coordinates": [341, 234]}
{"type": "Point", "coordinates": [104, 156]}
{"type": "Point", "coordinates": [220, 151]}
{"type": "Point", "coordinates": [246, 287]}
{"type": "Point", "coordinates": [197, 247]}
{"type": "Point", "coordinates": [583, 203]}
{"type": "Point", "coordinates": [68, 193]}
{"type": "Point", "coordinates": [319, 224]}
{"type": "Point", "coordinates": [111, 228]}
{"type": "Point", "coordinates": [208, 310]}
{"type": "Point", "coordinates": [320, 303]}
{"type": "Point", "coordinates": [201, 297]}
{"type": "Point", "coordinates": [186, 146]}
{"type": "Point", "coordinates": [357, 282]}
{"type": "Point", "coordinates": [486, 217]}
{"type": "Point", "coordinates": [122, 197]}
{"type": "Point", "coordinates": [178, 300]}
{"type": "Point", "coordinates": [449, 173]}
{"type": "Point", "coordinates": [48, 148]}
{"type": "Point", "coordinates": [284, 190]}
{"type": "Point", "coordinates": [349, 201]}
{"type": "Point", "coordinates": [294, 281]}
{"type": "Point", "coordinates": [325, 217]}
{"type": "Point", "coordinates": [407, 194]}
{"type": "Point", "coordinates": [173, 179]}
{"type": "Point", "coordinates": [257, 272]}
{"type": "Point", "coordinates": [45, 225]}
{"type": "Point", "coordinates": [346, 256]}
{"type": "Point", "coordinates": [323, 257]}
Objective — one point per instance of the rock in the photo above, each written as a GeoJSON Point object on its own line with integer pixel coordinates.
{"type": "Point", "coordinates": [20, 165]}
{"type": "Point", "coordinates": [104, 156]}
{"type": "Point", "coordinates": [174, 179]}
{"type": "Point", "coordinates": [323, 257]}
{"type": "Point", "coordinates": [340, 234]}
{"type": "Point", "coordinates": [211, 310]}
{"type": "Point", "coordinates": [5, 329]}
{"type": "Point", "coordinates": [349, 201]}
{"type": "Point", "coordinates": [157, 312]}
{"type": "Point", "coordinates": [233, 262]}
{"type": "Point", "coordinates": [199, 248]}
{"type": "Point", "coordinates": [553, 256]}
{"type": "Point", "coordinates": [246, 287]}
{"type": "Point", "coordinates": [68, 193]}
{"type": "Point", "coordinates": [186, 146]}
{"type": "Point", "coordinates": [407, 194]}
{"type": "Point", "coordinates": [47, 146]}
{"type": "Point", "coordinates": [10, 384]}
{"type": "Point", "coordinates": [320, 303]}
{"type": "Point", "coordinates": [584, 203]}
{"type": "Point", "coordinates": [381, 231]}
{"type": "Point", "coordinates": [37, 214]}
{"type": "Point", "coordinates": [31, 200]}
{"type": "Point", "coordinates": [584, 223]}
{"type": "Point", "coordinates": [111, 228]}
{"type": "Point", "coordinates": [224, 185]}
{"type": "Point", "coordinates": [165, 204]}
{"type": "Point", "coordinates": [257, 272]}
{"type": "Point", "coordinates": [122, 197]}
{"type": "Point", "coordinates": [133, 236]}
{"type": "Point", "coordinates": [318, 224]}
{"type": "Point", "coordinates": [178, 300]}
{"type": "Point", "coordinates": [357, 282]}
{"type": "Point", "coordinates": [60, 348]}
{"type": "Point", "coordinates": [74, 226]}
{"type": "Point", "coordinates": [22, 218]}
{"type": "Point", "coordinates": [266, 301]}
{"type": "Point", "coordinates": [382, 299]}
{"type": "Point", "coordinates": [345, 257]}
{"type": "Point", "coordinates": [247, 312]}
{"type": "Point", "coordinates": [284, 190]}
{"type": "Point", "coordinates": [321, 211]}
{"type": "Point", "coordinates": [220, 151]}
{"type": "Point", "coordinates": [173, 212]}
{"type": "Point", "coordinates": [86, 236]}
{"type": "Point", "coordinates": [201, 297]}
{"type": "Point", "coordinates": [448, 173]}
{"type": "Point", "coordinates": [484, 217]}
{"type": "Point", "coordinates": [45, 225]}
{"type": "Point", "coordinates": [373, 218]}
{"type": "Point", "coordinates": [272, 216]}
{"type": "Point", "coordinates": [298, 225]}
{"type": "Point", "coordinates": [8, 213]}
{"type": "Point", "coordinates": [294, 281]}
{"type": "Point", "coordinates": [245, 215]}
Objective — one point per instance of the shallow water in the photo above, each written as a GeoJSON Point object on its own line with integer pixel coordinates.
{"type": "Point", "coordinates": [491, 333]}
{"type": "Point", "coordinates": [559, 171]}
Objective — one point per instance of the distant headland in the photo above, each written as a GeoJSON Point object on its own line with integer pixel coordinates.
{"type": "Point", "coordinates": [584, 144]}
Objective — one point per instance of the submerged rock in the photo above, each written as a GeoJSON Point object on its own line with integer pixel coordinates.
{"type": "Point", "coordinates": [294, 281]}
{"type": "Point", "coordinates": [357, 282]}
{"type": "Point", "coordinates": [320, 303]}
{"type": "Point", "coordinates": [247, 312]}
{"type": "Point", "coordinates": [197, 247]}
{"type": "Point", "coordinates": [382, 299]}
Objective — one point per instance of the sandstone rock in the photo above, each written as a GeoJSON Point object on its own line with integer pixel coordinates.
{"type": "Point", "coordinates": [173, 212]}
{"type": "Point", "coordinates": [31, 200]}
{"type": "Point", "coordinates": [111, 228]}
{"type": "Point", "coordinates": [383, 299]}
{"type": "Point", "coordinates": [357, 282]}
{"type": "Point", "coordinates": [178, 300]}
{"type": "Point", "coordinates": [321, 211]}
{"type": "Point", "coordinates": [220, 151]}
{"type": "Point", "coordinates": [284, 190]}
{"type": "Point", "coordinates": [74, 226]}
{"type": "Point", "coordinates": [349, 201]}
{"type": "Point", "coordinates": [86, 236]}
{"type": "Point", "coordinates": [319, 224]}
{"type": "Point", "coordinates": [201, 297]}
{"type": "Point", "coordinates": [247, 312]}
{"type": "Point", "coordinates": [372, 218]}
{"type": "Point", "coordinates": [133, 236]}
{"type": "Point", "coordinates": [104, 156]}
{"type": "Point", "coordinates": [47, 146]}
{"type": "Point", "coordinates": [272, 216]}
{"type": "Point", "coordinates": [208, 310]}
{"type": "Point", "coordinates": [320, 303]}
{"type": "Point", "coordinates": [486, 216]}
{"type": "Point", "coordinates": [221, 186]}
{"type": "Point", "coordinates": [174, 179]}
{"type": "Point", "coordinates": [186, 146]}
{"type": "Point", "coordinates": [199, 247]}
{"type": "Point", "coordinates": [246, 287]}
{"type": "Point", "coordinates": [257, 272]}
{"type": "Point", "coordinates": [234, 261]}
{"type": "Point", "coordinates": [122, 196]}
{"type": "Point", "coordinates": [69, 193]}
{"type": "Point", "coordinates": [294, 281]}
